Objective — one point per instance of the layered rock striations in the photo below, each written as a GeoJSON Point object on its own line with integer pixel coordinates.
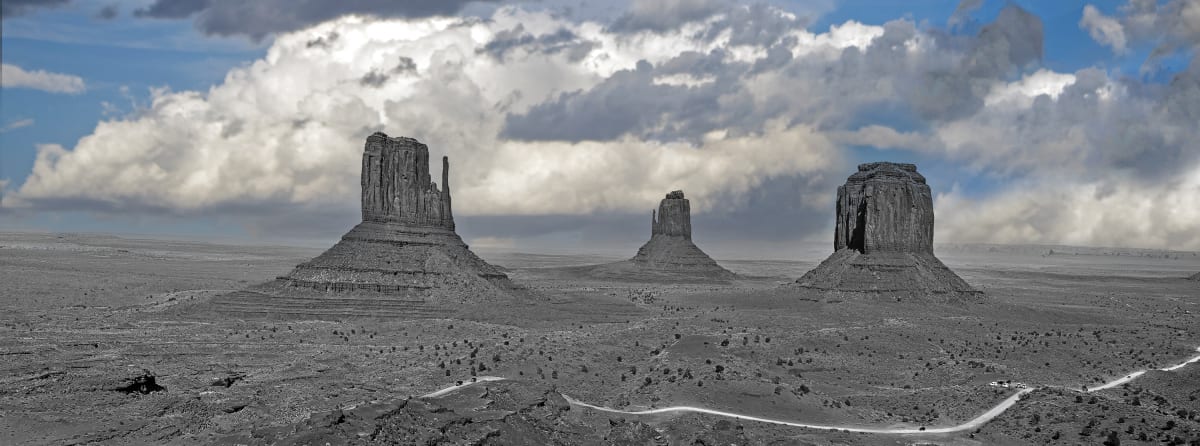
{"type": "Point", "coordinates": [883, 240]}
{"type": "Point", "coordinates": [670, 247]}
{"type": "Point", "coordinates": [403, 260]}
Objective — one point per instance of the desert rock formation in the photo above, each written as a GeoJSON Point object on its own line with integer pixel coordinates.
{"type": "Point", "coordinates": [670, 247]}
{"type": "Point", "coordinates": [883, 241]}
{"type": "Point", "coordinates": [403, 260]}
{"type": "Point", "coordinates": [1195, 277]}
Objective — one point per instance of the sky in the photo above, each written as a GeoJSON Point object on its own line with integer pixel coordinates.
{"type": "Point", "coordinates": [566, 121]}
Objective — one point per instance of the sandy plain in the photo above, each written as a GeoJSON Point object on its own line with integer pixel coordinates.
{"type": "Point", "coordinates": [83, 315]}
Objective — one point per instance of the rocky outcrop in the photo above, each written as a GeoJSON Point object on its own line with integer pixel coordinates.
{"type": "Point", "coordinates": [670, 247]}
{"type": "Point", "coordinates": [1195, 277]}
{"type": "Point", "coordinates": [143, 383]}
{"type": "Point", "coordinates": [403, 261]}
{"type": "Point", "coordinates": [883, 239]}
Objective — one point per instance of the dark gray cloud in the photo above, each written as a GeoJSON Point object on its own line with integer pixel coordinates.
{"type": "Point", "coordinates": [1171, 26]}
{"type": "Point", "coordinates": [562, 40]}
{"type": "Point", "coordinates": [948, 83]}
{"type": "Point", "coordinates": [108, 12]}
{"type": "Point", "coordinates": [259, 19]}
{"type": "Point", "coordinates": [13, 8]}
{"type": "Point", "coordinates": [757, 24]}
{"type": "Point", "coordinates": [1011, 42]}
{"type": "Point", "coordinates": [172, 9]}
{"type": "Point", "coordinates": [962, 13]}
{"type": "Point", "coordinates": [322, 41]}
{"type": "Point", "coordinates": [627, 102]}
{"type": "Point", "coordinates": [1001, 50]}
{"type": "Point", "coordinates": [663, 15]}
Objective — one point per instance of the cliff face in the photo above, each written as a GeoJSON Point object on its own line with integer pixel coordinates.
{"type": "Point", "coordinates": [396, 185]}
{"type": "Point", "coordinates": [885, 207]}
{"type": "Point", "coordinates": [674, 217]}
{"type": "Point", "coordinates": [883, 240]}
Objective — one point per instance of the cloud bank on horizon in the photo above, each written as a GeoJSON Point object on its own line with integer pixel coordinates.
{"type": "Point", "coordinates": [542, 113]}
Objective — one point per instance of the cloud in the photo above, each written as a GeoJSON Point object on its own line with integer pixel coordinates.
{"type": "Point", "coordinates": [883, 137]}
{"type": "Point", "coordinates": [16, 125]}
{"type": "Point", "coordinates": [1103, 29]}
{"type": "Point", "coordinates": [107, 12]}
{"type": "Point", "coordinates": [12, 76]}
{"type": "Point", "coordinates": [663, 15]}
{"type": "Point", "coordinates": [1100, 213]}
{"type": "Point", "coordinates": [963, 11]}
{"type": "Point", "coordinates": [1169, 26]}
{"type": "Point", "coordinates": [259, 19]}
{"type": "Point", "coordinates": [746, 109]}
{"type": "Point", "coordinates": [13, 8]}
{"type": "Point", "coordinates": [288, 129]}
{"type": "Point", "coordinates": [1084, 124]}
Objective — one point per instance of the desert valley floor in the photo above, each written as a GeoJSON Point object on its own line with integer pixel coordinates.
{"type": "Point", "coordinates": [86, 321]}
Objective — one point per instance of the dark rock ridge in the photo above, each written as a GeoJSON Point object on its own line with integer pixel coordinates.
{"type": "Point", "coordinates": [1195, 277]}
{"type": "Point", "coordinates": [403, 261]}
{"type": "Point", "coordinates": [883, 241]}
{"type": "Point", "coordinates": [670, 247]}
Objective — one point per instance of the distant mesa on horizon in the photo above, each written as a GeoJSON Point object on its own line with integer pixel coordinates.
{"type": "Point", "coordinates": [404, 260]}
{"type": "Point", "coordinates": [883, 240]}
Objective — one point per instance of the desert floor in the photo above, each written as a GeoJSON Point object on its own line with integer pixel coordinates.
{"type": "Point", "coordinates": [81, 316]}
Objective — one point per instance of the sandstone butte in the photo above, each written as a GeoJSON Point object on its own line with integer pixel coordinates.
{"type": "Point", "coordinates": [403, 260]}
{"type": "Point", "coordinates": [883, 239]}
{"type": "Point", "coordinates": [670, 248]}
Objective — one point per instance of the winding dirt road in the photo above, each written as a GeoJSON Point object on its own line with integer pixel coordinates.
{"type": "Point", "coordinates": [973, 424]}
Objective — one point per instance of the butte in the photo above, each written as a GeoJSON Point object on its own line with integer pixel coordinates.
{"type": "Point", "coordinates": [883, 241]}
{"type": "Point", "coordinates": [670, 248]}
{"type": "Point", "coordinates": [669, 255]}
{"type": "Point", "coordinates": [404, 260]}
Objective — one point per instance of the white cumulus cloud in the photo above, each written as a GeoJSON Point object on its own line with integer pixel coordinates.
{"type": "Point", "coordinates": [288, 129]}
{"type": "Point", "coordinates": [12, 76]}
{"type": "Point", "coordinates": [1103, 213]}
{"type": "Point", "coordinates": [1104, 29]}
{"type": "Point", "coordinates": [542, 114]}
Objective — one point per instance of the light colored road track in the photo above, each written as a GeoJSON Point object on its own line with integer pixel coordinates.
{"type": "Point", "coordinates": [477, 380]}
{"type": "Point", "coordinates": [1134, 375]}
{"type": "Point", "coordinates": [973, 424]}
{"type": "Point", "coordinates": [978, 421]}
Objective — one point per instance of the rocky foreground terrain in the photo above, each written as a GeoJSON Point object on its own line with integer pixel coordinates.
{"type": "Point", "coordinates": [103, 344]}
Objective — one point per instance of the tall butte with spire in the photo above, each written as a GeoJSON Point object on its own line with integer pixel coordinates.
{"type": "Point", "coordinates": [670, 248]}
{"type": "Point", "coordinates": [883, 241]}
{"type": "Point", "coordinates": [403, 260]}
